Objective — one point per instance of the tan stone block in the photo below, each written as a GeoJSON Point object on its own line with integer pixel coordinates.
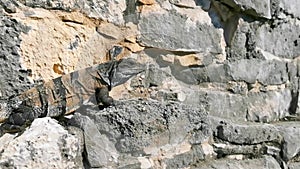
{"type": "Point", "coordinates": [147, 2]}
{"type": "Point", "coordinates": [189, 60]}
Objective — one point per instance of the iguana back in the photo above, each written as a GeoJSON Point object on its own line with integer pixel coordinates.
{"type": "Point", "coordinates": [67, 93]}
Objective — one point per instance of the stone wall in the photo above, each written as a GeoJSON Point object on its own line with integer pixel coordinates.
{"type": "Point", "coordinates": [220, 87]}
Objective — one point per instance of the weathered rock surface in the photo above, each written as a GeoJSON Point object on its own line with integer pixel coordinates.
{"type": "Point", "coordinates": [269, 106]}
{"type": "Point", "coordinates": [294, 165]}
{"type": "Point", "coordinates": [146, 131]}
{"type": "Point", "coordinates": [44, 144]}
{"type": "Point", "coordinates": [265, 72]}
{"type": "Point", "coordinates": [106, 10]}
{"type": "Point", "coordinates": [161, 31]}
{"type": "Point", "coordinates": [279, 39]}
{"type": "Point", "coordinates": [260, 8]}
{"type": "Point", "coordinates": [72, 40]}
{"type": "Point", "coordinates": [13, 75]}
{"type": "Point", "coordinates": [266, 162]}
{"type": "Point", "coordinates": [100, 152]}
{"type": "Point", "coordinates": [290, 132]}
{"type": "Point", "coordinates": [220, 87]}
{"type": "Point", "coordinates": [288, 7]}
{"type": "Point", "coordinates": [148, 128]}
{"type": "Point", "coordinates": [247, 133]}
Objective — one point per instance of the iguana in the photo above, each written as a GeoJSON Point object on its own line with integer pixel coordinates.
{"type": "Point", "coordinates": [65, 94]}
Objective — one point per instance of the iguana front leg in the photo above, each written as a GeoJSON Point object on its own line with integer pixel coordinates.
{"type": "Point", "coordinates": [102, 97]}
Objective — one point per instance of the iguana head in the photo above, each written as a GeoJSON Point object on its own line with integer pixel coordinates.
{"type": "Point", "coordinates": [124, 70]}
{"type": "Point", "coordinates": [117, 72]}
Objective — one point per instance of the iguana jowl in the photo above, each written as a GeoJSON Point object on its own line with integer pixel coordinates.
{"type": "Point", "coordinates": [67, 93]}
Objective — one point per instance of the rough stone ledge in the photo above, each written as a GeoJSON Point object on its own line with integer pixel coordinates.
{"type": "Point", "coordinates": [256, 139]}
{"type": "Point", "coordinates": [136, 133]}
{"type": "Point", "coordinates": [266, 162]}
{"type": "Point", "coordinates": [267, 106]}
{"type": "Point", "coordinates": [44, 144]}
{"type": "Point", "coordinates": [244, 133]}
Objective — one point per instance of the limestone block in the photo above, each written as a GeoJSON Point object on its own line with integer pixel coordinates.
{"type": "Point", "coordinates": [269, 106]}
{"type": "Point", "coordinates": [44, 144]}
{"type": "Point", "coordinates": [244, 133]}
{"type": "Point", "coordinates": [290, 132]}
{"type": "Point", "coordinates": [266, 162]}
{"type": "Point", "coordinates": [147, 125]}
{"type": "Point", "coordinates": [106, 10]}
{"type": "Point", "coordinates": [290, 7]}
{"type": "Point", "coordinates": [281, 40]}
{"type": "Point", "coordinates": [265, 72]}
{"type": "Point", "coordinates": [178, 33]}
{"type": "Point", "coordinates": [260, 8]}
{"type": "Point", "coordinates": [100, 152]}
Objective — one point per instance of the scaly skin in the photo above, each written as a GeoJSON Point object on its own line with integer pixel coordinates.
{"type": "Point", "coordinates": [65, 94]}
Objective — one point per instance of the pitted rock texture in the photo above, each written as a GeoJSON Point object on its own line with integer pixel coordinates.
{"type": "Point", "coordinates": [146, 130]}
{"type": "Point", "coordinates": [266, 162]}
{"type": "Point", "coordinates": [42, 147]}
{"type": "Point", "coordinates": [106, 10]}
{"type": "Point", "coordinates": [220, 88]}
{"type": "Point", "coordinates": [13, 74]}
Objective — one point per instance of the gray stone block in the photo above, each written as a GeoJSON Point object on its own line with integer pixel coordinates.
{"type": "Point", "coordinates": [258, 8]}
{"type": "Point", "coordinates": [252, 70]}
{"type": "Point", "coordinates": [266, 162]}
{"type": "Point", "coordinates": [290, 7]}
{"type": "Point", "coordinates": [176, 32]}
{"type": "Point", "coordinates": [244, 133]}
{"type": "Point", "coordinates": [269, 106]}
{"type": "Point", "coordinates": [294, 165]}
{"type": "Point", "coordinates": [281, 39]}
{"type": "Point", "coordinates": [259, 107]}
{"type": "Point", "coordinates": [100, 152]}
{"type": "Point", "coordinates": [291, 136]}
{"type": "Point", "coordinates": [231, 149]}
{"type": "Point", "coordinates": [44, 144]}
{"type": "Point", "coordinates": [136, 124]}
